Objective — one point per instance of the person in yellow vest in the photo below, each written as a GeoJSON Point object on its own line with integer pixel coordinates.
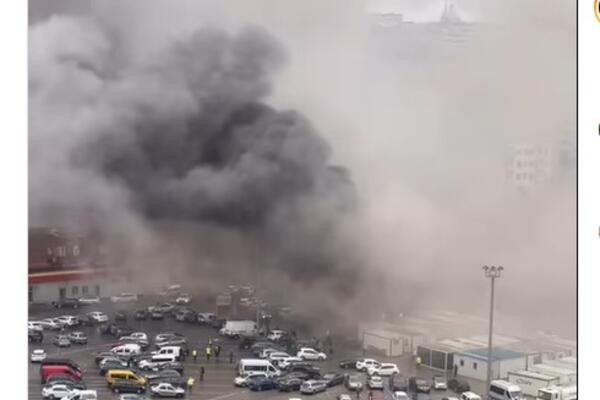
{"type": "Point", "coordinates": [208, 353]}
{"type": "Point", "coordinates": [194, 354]}
{"type": "Point", "coordinates": [418, 361]}
{"type": "Point", "coordinates": [190, 384]}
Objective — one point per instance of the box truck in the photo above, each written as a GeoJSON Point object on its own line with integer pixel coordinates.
{"type": "Point", "coordinates": [558, 393]}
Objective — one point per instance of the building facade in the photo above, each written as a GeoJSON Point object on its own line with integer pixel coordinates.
{"type": "Point", "coordinates": [474, 363]}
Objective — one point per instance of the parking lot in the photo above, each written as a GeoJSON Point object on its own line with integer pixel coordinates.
{"type": "Point", "coordinates": [219, 374]}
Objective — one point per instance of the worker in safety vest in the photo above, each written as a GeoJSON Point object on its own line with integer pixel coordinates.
{"type": "Point", "coordinates": [208, 353]}
{"type": "Point", "coordinates": [194, 354]}
{"type": "Point", "coordinates": [190, 384]}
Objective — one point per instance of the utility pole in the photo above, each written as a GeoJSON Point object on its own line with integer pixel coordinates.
{"type": "Point", "coordinates": [491, 272]}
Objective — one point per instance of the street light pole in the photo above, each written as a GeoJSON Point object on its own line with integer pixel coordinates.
{"type": "Point", "coordinates": [492, 273]}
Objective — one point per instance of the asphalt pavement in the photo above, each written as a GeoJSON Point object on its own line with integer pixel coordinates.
{"type": "Point", "coordinates": [219, 374]}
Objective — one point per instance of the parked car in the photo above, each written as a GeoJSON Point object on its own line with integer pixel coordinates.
{"type": "Point", "coordinates": [289, 384]}
{"type": "Point", "coordinates": [38, 355]}
{"type": "Point", "coordinates": [87, 300]}
{"type": "Point", "coordinates": [35, 326]}
{"type": "Point", "coordinates": [333, 378]}
{"type": "Point", "coordinates": [384, 369]}
{"type": "Point", "coordinates": [65, 380]}
{"type": "Point", "coordinates": [206, 318]}
{"type": "Point", "coordinates": [78, 337]}
{"type": "Point", "coordinates": [343, 396]}
{"type": "Point", "coordinates": [400, 396]}
{"type": "Point", "coordinates": [375, 382]}
{"type": "Point", "coordinates": [260, 384]}
{"type": "Point", "coordinates": [353, 382]}
{"type": "Point", "coordinates": [365, 363]}
{"type": "Point", "coordinates": [56, 391]}
{"type": "Point", "coordinates": [241, 381]}
{"type": "Point", "coordinates": [98, 317]}
{"type": "Point", "coordinates": [183, 298]}
{"type": "Point", "coordinates": [166, 390]}
{"type": "Point", "coordinates": [112, 363]}
{"type": "Point", "coordinates": [156, 314]}
{"type": "Point", "coordinates": [52, 324]}
{"type": "Point", "coordinates": [173, 365]}
{"type": "Point", "coordinates": [69, 320]}
{"type": "Point", "coordinates": [124, 298]}
{"type": "Point", "coordinates": [275, 335]}
{"type": "Point", "coordinates": [120, 316]}
{"type": "Point", "coordinates": [164, 308]}
{"type": "Point", "coordinates": [61, 341]}
{"type": "Point", "coordinates": [98, 357]}
{"type": "Point", "coordinates": [66, 303]}
{"type": "Point", "coordinates": [185, 315]}
{"type": "Point", "coordinates": [164, 336]}
{"type": "Point", "coordinates": [166, 376]}
{"type": "Point", "coordinates": [286, 362]}
{"type": "Point", "coordinates": [140, 315]}
{"type": "Point", "coordinates": [440, 383]}
{"type": "Point", "coordinates": [348, 364]}
{"type": "Point", "coordinates": [313, 387]}
{"type": "Point", "coordinates": [127, 386]}
{"type": "Point", "coordinates": [35, 336]}
{"type": "Point", "coordinates": [398, 383]}
{"type": "Point", "coordinates": [459, 385]}
{"type": "Point", "coordinates": [133, 397]}
{"type": "Point", "coordinates": [419, 385]}
{"type": "Point", "coordinates": [85, 320]}
{"type": "Point", "coordinates": [139, 335]}
{"type": "Point", "coordinates": [305, 368]}
{"type": "Point", "coordinates": [307, 353]}
{"type": "Point", "coordinates": [81, 395]}
{"type": "Point", "coordinates": [176, 341]}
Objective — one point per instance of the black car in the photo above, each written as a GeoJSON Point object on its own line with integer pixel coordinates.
{"type": "Point", "coordinates": [217, 323]}
{"type": "Point", "coordinates": [333, 378]}
{"type": "Point", "coordinates": [398, 383]}
{"type": "Point", "coordinates": [289, 384]}
{"type": "Point", "coordinates": [140, 315]}
{"type": "Point", "coordinates": [102, 355]}
{"type": "Point", "coordinates": [186, 315]}
{"type": "Point", "coordinates": [175, 365]}
{"type": "Point", "coordinates": [246, 341]}
{"type": "Point", "coordinates": [35, 336]}
{"type": "Point", "coordinates": [120, 316]}
{"type": "Point", "coordinates": [85, 320]}
{"type": "Point", "coordinates": [66, 303]}
{"type": "Point", "coordinates": [418, 385]}
{"type": "Point", "coordinates": [458, 385]}
{"type": "Point", "coordinates": [303, 367]}
{"type": "Point", "coordinates": [127, 386]}
{"type": "Point", "coordinates": [122, 330]}
{"type": "Point", "coordinates": [112, 364]}
{"type": "Point", "coordinates": [168, 376]}
{"type": "Point", "coordinates": [348, 364]}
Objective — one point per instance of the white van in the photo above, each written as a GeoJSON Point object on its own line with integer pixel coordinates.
{"type": "Point", "coordinates": [252, 364]}
{"type": "Point", "coordinates": [237, 328]}
{"type": "Point", "coordinates": [504, 390]}
{"type": "Point", "coordinates": [469, 396]}
{"type": "Point", "coordinates": [156, 361]}
{"type": "Point", "coordinates": [169, 350]}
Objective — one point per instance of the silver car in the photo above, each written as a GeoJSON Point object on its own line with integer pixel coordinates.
{"type": "Point", "coordinates": [313, 386]}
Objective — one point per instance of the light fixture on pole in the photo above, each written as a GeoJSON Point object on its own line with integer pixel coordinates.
{"type": "Point", "coordinates": [491, 272]}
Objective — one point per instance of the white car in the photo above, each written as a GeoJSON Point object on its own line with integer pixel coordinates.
{"type": "Point", "coordinates": [57, 391]}
{"type": "Point", "coordinates": [124, 298]}
{"type": "Point", "coordinates": [38, 355]}
{"type": "Point", "coordinates": [241, 381]}
{"type": "Point", "coordinates": [400, 396]}
{"type": "Point", "coordinates": [364, 364]}
{"type": "Point", "coordinates": [284, 363]}
{"type": "Point", "coordinates": [375, 382]}
{"type": "Point", "coordinates": [344, 396]}
{"type": "Point", "coordinates": [89, 300]}
{"type": "Point", "coordinates": [133, 397]}
{"type": "Point", "coordinates": [306, 353]}
{"type": "Point", "coordinates": [183, 298]}
{"type": "Point", "coordinates": [69, 320]}
{"type": "Point", "coordinates": [277, 356]}
{"type": "Point", "coordinates": [137, 336]}
{"type": "Point", "coordinates": [35, 325]}
{"type": "Point", "coordinates": [52, 323]}
{"type": "Point", "coordinates": [385, 369]}
{"type": "Point", "coordinates": [275, 335]}
{"type": "Point", "coordinates": [166, 390]}
{"type": "Point", "coordinates": [81, 395]}
{"type": "Point", "coordinates": [440, 383]}
{"type": "Point", "coordinates": [98, 316]}
{"type": "Point", "coordinates": [265, 353]}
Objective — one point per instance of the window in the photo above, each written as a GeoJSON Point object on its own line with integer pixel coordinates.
{"type": "Point", "coordinates": [84, 290]}
{"type": "Point", "coordinates": [474, 365]}
{"type": "Point", "coordinates": [75, 290]}
{"type": "Point", "coordinates": [462, 363]}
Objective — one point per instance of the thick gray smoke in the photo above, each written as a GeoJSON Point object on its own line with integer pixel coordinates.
{"type": "Point", "coordinates": [182, 136]}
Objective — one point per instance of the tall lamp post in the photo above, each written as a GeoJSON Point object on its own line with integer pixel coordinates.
{"type": "Point", "coordinates": [491, 272]}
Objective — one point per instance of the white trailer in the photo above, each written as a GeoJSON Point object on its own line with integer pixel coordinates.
{"type": "Point", "coordinates": [530, 382]}
{"type": "Point", "coordinates": [566, 376]}
{"type": "Point", "coordinates": [237, 328]}
{"type": "Point", "coordinates": [558, 393]}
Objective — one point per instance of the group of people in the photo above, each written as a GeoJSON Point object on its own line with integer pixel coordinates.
{"type": "Point", "coordinates": [209, 350]}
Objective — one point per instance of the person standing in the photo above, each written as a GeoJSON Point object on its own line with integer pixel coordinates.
{"type": "Point", "coordinates": [208, 353]}
{"type": "Point", "coordinates": [231, 357]}
{"type": "Point", "coordinates": [190, 384]}
{"type": "Point", "coordinates": [217, 351]}
{"type": "Point", "coordinates": [202, 372]}
{"type": "Point", "coordinates": [194, 354]}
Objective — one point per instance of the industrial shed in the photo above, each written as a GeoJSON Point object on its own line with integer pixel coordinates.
{"type": "Point", "coordinates": [474, 363]}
